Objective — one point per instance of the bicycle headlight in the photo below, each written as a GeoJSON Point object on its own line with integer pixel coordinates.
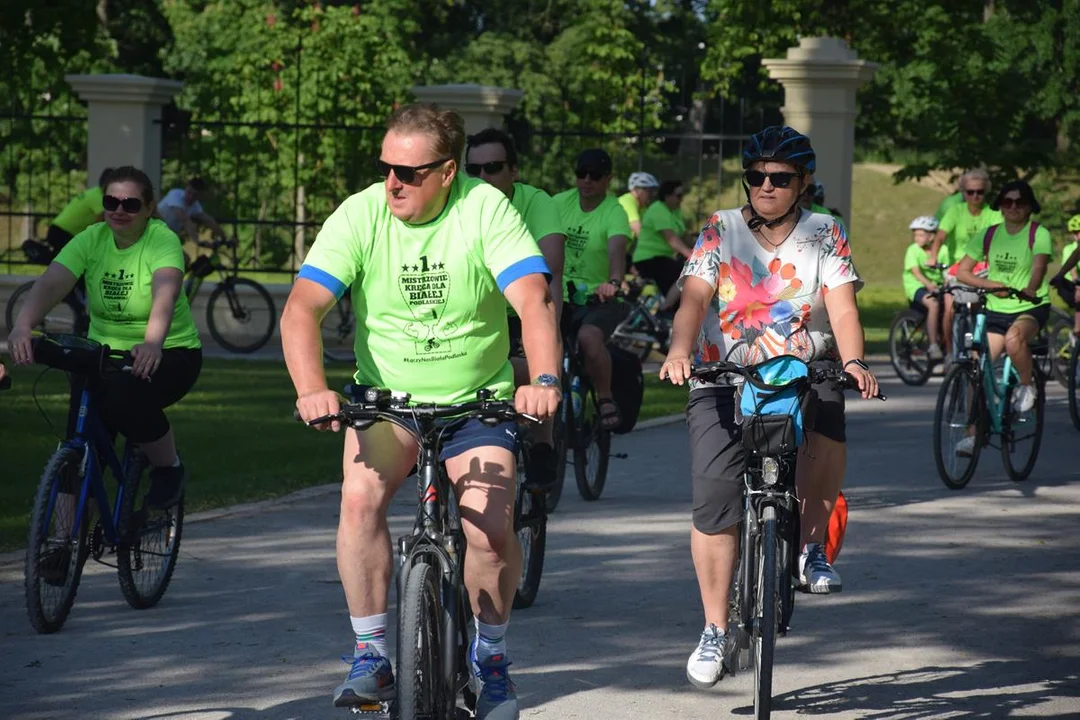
{"type": "Point", "coordinates": [770, 471]}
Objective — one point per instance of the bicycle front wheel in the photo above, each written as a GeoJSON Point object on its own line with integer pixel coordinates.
{"type": "Point", "coordinates": [1074, 380]}
{"type": "Point", "coordinates": [150, 541]}
{"type": "Point", "coordinates": [592, 451]}
{"type": "Point", "coordinates": [54, 554]}
{"type": "Point", "coordinates": [957, 436]}
{"type": "Point", "coordinates": [1021, 432]}
{"type": "Point", "coordinates": [61, 319]}
{"type": "Point", "coordinates": [768, 612]}
{"type": "Point", "coordinates": [240, 315]}
{"type": "Point", "coordinates": [909, 350]}
{"type": "Point", "coordinates": [420, 690]}
{"type": "Point", "coordinates": [530, 524]}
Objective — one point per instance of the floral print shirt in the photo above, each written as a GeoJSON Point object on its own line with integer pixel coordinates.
{"type": "Point", "coordinates": [768, 302]}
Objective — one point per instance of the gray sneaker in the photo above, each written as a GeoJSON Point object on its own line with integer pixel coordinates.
{"type": "Point", "coordinates": [816, 575]}
{"type": "Point", "coordinates": [370, 679]}
{"type": "Point", "coordinates": [496, 696]}
{"type": "Point", "coordinates": [705, 667]}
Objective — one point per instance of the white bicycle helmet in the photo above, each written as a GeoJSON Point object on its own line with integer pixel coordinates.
{"type": "Point", "coordinates": [928, 223]}
{"type": "Point", "coordinates": [642, 180]}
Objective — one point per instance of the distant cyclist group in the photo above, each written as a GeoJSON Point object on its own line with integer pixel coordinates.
{"type": "Point", "coordinates": [474, 281]}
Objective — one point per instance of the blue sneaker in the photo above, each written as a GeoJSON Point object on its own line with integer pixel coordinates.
{"type": "Point", "coordinates": [370, 680]}
{"type": "Point", "coordinates": [496, 697]}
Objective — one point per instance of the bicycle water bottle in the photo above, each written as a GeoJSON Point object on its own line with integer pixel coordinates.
{"type": "Point", "coordinates": [575, 395]}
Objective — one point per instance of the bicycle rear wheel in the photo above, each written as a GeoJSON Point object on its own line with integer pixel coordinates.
{"type": "Point", "coordinates": [54, 558]}
{"type": "Point", "coordinates": [150, 540]}
{"type": "Point", "coordinates": [592, 451]}
{"type": "Point", "coordinates": [420, 686]}
{"type": "Point", "coordinates": [240, 315]}
{"type": "Point", "coordinates": [956, 417]}
{"type": "Point", "coordinates": [1074, 380]}
{"type": "Point", "coordinates": [339, 332]}
{"type": "Point", "coordinates": [61, 319]}
{"type": "Point", "coordinates": [909, 348]}
{"type": "Point", "coordinates": [1021, 433]}
{"type": "Point", "coordinates": [768, 611]}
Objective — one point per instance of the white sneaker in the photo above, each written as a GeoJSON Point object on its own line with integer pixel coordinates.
{"type": "Point", "coordinates": [816, 575]}
{"type": "Point", "coordinates": [1023, 398]}
{"type": "Point", "coordinates": [706, 664]}
{"type": "Point", "coordinates": [935, 352]}
{"type": "Point", "coordinates": [966, 447]}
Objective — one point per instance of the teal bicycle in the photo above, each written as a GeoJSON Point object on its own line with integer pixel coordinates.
{"type": "Point", "coordinates": [974, 410]}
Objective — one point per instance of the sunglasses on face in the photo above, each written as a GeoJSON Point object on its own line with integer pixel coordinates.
{"type": "Point", "coordinates": [490, 168]}
{"type": "Point", "coordinates": [1008, 203]}
{"type": "Point", "coordinates": [594, 175]}
{"type": "Point", "coordinates": [131, 205]}
{"type": "Point", "coordinates": [756, 178]}
{"type": "Point", "coordinates": [975, 193]}
{"type": "Point", "coordinates": [407, 173]}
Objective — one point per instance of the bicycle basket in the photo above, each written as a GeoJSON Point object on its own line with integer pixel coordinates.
{"type": "Point", "coordinates": [70, 353]}
{"type": "Point", "coordinates": [773, 420]}
{"type": "Point", "coordinates": [201, 266]}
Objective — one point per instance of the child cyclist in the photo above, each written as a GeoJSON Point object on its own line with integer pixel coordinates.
{"type": "Point", "coordinates": [921, 278]}
{"type": "Point", "coordinates": [1069, 275]}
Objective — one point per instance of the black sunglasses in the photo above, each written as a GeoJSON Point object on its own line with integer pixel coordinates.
{"type": "Point", "coordinates": [756, 178]}
{"type": "Point", "coordinates": [495, 166]}
{"type": "Point", "coordinates": [594, 175]}
{"type": "Point", "coordinates": [407, 173]}
{"type": "Point", "coordinates": [130, 204]}
{"type": "Point", "coordinates": [1009, 202]}
{"type": "Point", "coordinates": [974, 193]}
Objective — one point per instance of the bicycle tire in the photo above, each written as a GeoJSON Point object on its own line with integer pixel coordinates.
{"type": "Point", "coordinates": [959, 379]}
{"type": "Point", "coordinates": [339, 333]}
{"type": "Point", "coordinates": [64, 471]}
{"type": "Point", "coordinates": [1059, 350]}
{"type": "Point", "coordinates": [1074, 379]}
{"type": "Point", "coordinates": [591, 486]}
{"type": "Point", "coordinates": [1019, 473]}
{"type": "Point", "coordinates": [419, 679]}
{"type": "Point", "coordinates": [764, 638]}
{"type": "Point", "coordinates": [143, 582]}
{"type": "Point", "coordinates": [563, 423]}
{"type": "Point", "coordinates": [907, 331]}
{"type": "Point", "coordinates": [530, 525]}
{"type": "Point", "coordinates": [62, 318]}
{"type": "Point", "coordinates": [261, 330]}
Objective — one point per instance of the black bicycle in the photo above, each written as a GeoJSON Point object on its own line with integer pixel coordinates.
{"type": "Point", "coordinates": [68, 317]}
{"type": "Point", "coordinates": [339, 332]}
{"type": "Point", "coordinates": [530, 524]}
{"type": "Point", "coordinates": [774, 404]}
{"type": "Point", "coordinates": [909, 345]}
{"type": "Point", "coordinates": [433, 608]}
{"type": "Point", "coordinates": [73, 517]}
{"type": "Point", "coordinates": [643, 330]}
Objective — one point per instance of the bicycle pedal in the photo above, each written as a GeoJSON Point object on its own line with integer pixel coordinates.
{"type": "Point", "coordinates": [385, 709]}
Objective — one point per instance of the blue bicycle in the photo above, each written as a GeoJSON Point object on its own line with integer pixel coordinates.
{"type": "Point", "coordinates": [74, 518]}
{"type": "Point", "coordinates": [974, 406]}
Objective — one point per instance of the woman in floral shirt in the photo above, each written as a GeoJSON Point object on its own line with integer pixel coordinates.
{"type": "Point", "coordinates": [764, 280]}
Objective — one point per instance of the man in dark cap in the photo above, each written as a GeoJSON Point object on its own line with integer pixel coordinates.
{"type": "Point", "coordinates": [597, 233]}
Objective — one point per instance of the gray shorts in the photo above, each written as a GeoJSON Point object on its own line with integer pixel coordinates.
{"type": "Point", "coordinates": [717, 456]}
{"type": "Point", "coordinates": [606, 316]}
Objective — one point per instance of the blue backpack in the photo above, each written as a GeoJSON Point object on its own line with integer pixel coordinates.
{"type": "Point", "coordinates": [773, 419]}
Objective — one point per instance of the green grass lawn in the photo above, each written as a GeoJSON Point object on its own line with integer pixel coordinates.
{"type": "Point", "coordinates": [235, 429]}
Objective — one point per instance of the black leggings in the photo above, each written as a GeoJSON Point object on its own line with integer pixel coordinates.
{"type": "Point", "coordinates": [134, 407]}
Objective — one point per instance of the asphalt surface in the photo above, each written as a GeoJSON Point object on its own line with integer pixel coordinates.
{"type": "Point", "coordinates": [955, 605]}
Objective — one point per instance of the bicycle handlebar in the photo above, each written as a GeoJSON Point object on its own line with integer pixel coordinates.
{"type": "Point", "coordinates": [382, 404]}
{"type": "Point", "coordinates": [218, 243]}
{"type": "Point", "coordinates": [710, 371]}
{"type": "Point", "coordinates": [76, 354]}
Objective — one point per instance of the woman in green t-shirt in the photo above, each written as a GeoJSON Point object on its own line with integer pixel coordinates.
{"type": "Point", "coordinates": [1018, 253]}
{"type": "Point", "coordinates": [133, 267]}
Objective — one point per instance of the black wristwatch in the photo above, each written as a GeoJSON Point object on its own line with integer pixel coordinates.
{"type": "Point", "coordinates": [858, 362]}
{"type": "Point", "coordinates": [546, 380]}
{"type": "Point", "coordinates": [615, 282]}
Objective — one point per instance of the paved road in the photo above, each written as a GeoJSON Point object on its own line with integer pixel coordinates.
{"type": "Point", "coordinates": [956, 604]}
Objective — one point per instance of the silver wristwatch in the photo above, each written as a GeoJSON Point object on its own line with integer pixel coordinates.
{"type": "Point", "coordinates": [546, 380]}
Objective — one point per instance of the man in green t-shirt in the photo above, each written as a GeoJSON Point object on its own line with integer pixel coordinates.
{"type": "Point", "coordinates": [430, 259]}
{"type": "Point", "coordinates": [83, 211]}
{"type": "Point", "coordinates": [964, 221]}
{"type": "Point", "coordinates": [641, 189]}
{"type": "Point", "coordinates": [597, 234]}
{"type": "Point", "coordinates": [1018, 255]}
{"type": "Point", "coordinates": [492, 156]}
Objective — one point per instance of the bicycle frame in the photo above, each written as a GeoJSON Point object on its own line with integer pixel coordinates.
{"type": "Point", "coordinates": [993, 392]}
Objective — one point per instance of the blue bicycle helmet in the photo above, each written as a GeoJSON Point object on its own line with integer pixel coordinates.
{"type": "Point", "coordinates": [780, 144]}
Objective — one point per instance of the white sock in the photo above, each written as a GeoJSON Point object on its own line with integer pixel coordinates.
{"type": "Point", "coordinates": [490, 640]}
{"type": "Point", "coordinates": [371, 630]}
